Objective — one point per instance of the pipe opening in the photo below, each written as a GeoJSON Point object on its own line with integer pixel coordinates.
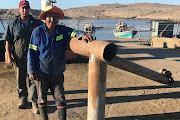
{"type": "Point", "coordinates": [109, 52]}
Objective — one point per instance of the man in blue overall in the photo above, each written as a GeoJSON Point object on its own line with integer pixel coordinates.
{"type": "Point", "coordinates": [46, 58]}
{"type": "Point", "coordinates": [17, 37]}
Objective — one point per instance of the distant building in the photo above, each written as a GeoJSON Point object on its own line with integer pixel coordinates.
{"type": "Point", "coordinates": [164, 34]}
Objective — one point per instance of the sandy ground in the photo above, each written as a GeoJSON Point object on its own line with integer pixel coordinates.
{"type": "Point", "coordinates": [128, 96]}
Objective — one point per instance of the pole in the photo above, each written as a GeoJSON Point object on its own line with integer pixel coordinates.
{"type": "Point", "coordinates": [45, 3]}
{"type": "Point", "coordinates": [139, 38]}
{"type": "Point", "coordinates": [138, 70]}
{"type": "Point", "coordinates": [99, 52]}
{"type": "Point", "coordinates": [96, 89]}
{"type": "Point", "coordinates": [160, 35]}
{"type": "Point", "coordinates": [177, 30]}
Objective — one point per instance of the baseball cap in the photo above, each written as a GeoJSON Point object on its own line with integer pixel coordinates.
{"type": "Point", "coordinates": [24, 3]}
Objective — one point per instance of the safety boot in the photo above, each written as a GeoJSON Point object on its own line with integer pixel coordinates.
{"type": "Point", "coordinates": [43, 112]}
{"type": "Point", "coordinates": [22, 105]}
{"type": "Point", "coordinates": [61, 113]}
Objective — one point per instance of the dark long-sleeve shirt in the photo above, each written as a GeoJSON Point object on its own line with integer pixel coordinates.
{"type": "Point", "coordinates": [18, 34]}
{"type": "Point", "coordinates": [46, 54]}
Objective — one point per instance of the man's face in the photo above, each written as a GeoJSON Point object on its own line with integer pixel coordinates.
{"type": "Point", "coordinates": [51, 19]}
{"type": "Point", "coordinates": [24, 11]}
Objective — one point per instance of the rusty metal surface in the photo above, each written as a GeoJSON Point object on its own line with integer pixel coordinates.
{"type": "Point", "coordinates": [96, 89]}
{"type": "Point", "coordinates": [97, 51]}
{"type": "Point", "coordinates": [103, 51]}
{"type": "Point", "coordinates": [138, 70]}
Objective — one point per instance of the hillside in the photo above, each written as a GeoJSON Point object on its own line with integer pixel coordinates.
{"type": "Point", "coordinates": [10, 13]}
{"type": "Point", "coordinates": [111, 11]}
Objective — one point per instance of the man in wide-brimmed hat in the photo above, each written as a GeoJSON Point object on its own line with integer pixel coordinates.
{"type": "Point", "coordinates": [46, 58]}
{"type": "Point", "coordinates": [17, 37]}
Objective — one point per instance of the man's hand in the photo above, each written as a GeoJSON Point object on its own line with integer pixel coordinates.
{"type": "Point", "coordinates": [33, 77]}
{"type": "Point", "coordinates": [10, 62]}
{"type": "Point", "coordinates": [87, 38]}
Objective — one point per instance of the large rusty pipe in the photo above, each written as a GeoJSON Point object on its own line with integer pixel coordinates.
{"type": "Point", "coordinates": [98, 52]}
{"type": "Point", "coordinates": [138, 70]}
{"type": "Point", "coordinates": [103, 51]}
{"type": "Point", "coordinates": [96, 89]}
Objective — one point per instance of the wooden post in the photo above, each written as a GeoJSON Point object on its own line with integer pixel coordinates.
{"type": "Point", "coordinates": [177, 30]}
{"type": "Point", "coordinates": [160, 35]}
{"type": "Point", "coordinates": [139, 38]}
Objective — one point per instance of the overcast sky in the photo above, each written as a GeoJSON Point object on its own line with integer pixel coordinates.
{"type": "Point", "coordinates": [64, 4]}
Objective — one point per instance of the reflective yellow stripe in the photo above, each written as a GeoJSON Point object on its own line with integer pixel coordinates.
{"type": "Point", "coordinates": [73, 34]}
{"type": "Point", "coordinates": [59, 37]}
{"type": "Point", "coordinates": [33, 47]}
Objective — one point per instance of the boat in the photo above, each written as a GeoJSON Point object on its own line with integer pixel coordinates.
{"type": "Point", "coordinates": [89, 28]}
{"type": "Point", "coordinates": [124, 31]}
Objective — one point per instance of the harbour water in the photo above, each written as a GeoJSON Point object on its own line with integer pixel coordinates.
{"type": "Point", "coordinates": [105, 26]}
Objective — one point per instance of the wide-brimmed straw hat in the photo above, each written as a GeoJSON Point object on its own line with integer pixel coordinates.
{"type": "Point", "coordinates": [51, 8]}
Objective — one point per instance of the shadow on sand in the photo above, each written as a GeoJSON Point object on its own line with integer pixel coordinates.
{"type": "Point", "coordinates": [171, 116]}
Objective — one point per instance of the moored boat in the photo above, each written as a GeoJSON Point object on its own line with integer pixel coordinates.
{"type": "Point", "coordinates": [124, 31]}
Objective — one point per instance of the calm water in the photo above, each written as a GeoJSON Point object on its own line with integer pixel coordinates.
{"type": "Point", "coordinates": [108, 26]}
